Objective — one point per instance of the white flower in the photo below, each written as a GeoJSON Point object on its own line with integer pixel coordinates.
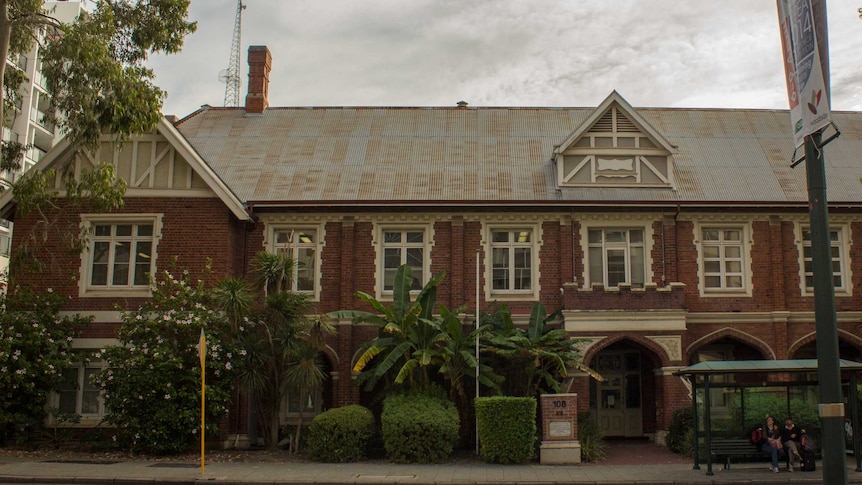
{"type": "Point", "coordinates": [167, 396]}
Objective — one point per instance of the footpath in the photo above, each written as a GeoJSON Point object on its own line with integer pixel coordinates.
{"type": "Point", "coordinates": [625, 465]}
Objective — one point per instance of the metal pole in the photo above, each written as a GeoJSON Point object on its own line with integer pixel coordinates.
{"type": "Point", "coordinates": [696, 451]}
{"type": "Point", "coordinates": [853, 402]}
{"type": "Point", "coordinates": [828, 366]}
{"type": "Point", "coordinates": [707, 421]}
{"type": "Point", "coordinates": [477, 348]}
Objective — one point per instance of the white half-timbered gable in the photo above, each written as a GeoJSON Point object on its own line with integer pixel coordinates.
{"type": "Point", "coordinates": [158, 164]}
{"type": "Point", "coordinates": [615, 147]}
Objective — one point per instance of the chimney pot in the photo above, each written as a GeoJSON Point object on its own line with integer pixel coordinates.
{"type": "Point", "coordinates": [259, 67]}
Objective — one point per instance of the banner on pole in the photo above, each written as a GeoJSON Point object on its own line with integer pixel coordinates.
{"type": "Point", "coordinates": [805, 51]}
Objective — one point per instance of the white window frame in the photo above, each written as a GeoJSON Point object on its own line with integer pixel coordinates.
{"type": "Point", "coordinates": [842, 243]}
{"type": "Point", "coordinates": [286, 415]}
{"type": "Point", "coordinates": [625, 246]}
{"type": "Point", "coordinates": [381, 245]}
{"type": "Point", "coordinates": [589, 223]}
{"type": "Point", "coordinates": [723, 245]}
{"type": "Point", "coordinates": [88, 223]}
{"type": "Point", "coordinates": [745, 244]}
{"type": "Point", "coordinates": [86, 419]}
{"type": "Point", "coordinates": [534, 245]}
{"type": "Point", "coordinates": [293, 247]}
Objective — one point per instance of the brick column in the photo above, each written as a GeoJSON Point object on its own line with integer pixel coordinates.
{"type": "Point", "coordinates": [456, 252]}
{"type": "Point", "coordinates": [559, 429]}
{"type": "Point", "coordinates": [347, 272]}
{"type": "Point", "coordinates": [675, 395]}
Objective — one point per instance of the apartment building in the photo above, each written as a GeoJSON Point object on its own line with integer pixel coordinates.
{"type": "Point", "coordinates": [30, 124]}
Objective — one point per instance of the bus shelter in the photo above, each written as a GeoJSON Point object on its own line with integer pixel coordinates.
{"type": "Point", "coordinates": [722, 387]}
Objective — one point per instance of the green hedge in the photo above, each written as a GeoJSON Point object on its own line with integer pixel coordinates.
{"type": "Point", "coordinates": [681, 432]}
{"type": "Point", "coordinates": [758, 405]}
{"type": "Point", "coordinates": [419, 428]}
{"type": "Point", "coordinates": [341, 434]}
{"type": "Point", "coordinates": [507, 428]}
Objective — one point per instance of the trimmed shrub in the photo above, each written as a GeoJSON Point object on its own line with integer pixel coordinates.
{"type": "Point", "coordinates": [507, 428]}
{"type": "Point", "coordinates": [341, 434]}
{"type": "Point", "coordinates": [591, 438]}
{"type": "Point", "coordinates": [419, 428]}
{"type": "Point", "coordinates": [681, 431]}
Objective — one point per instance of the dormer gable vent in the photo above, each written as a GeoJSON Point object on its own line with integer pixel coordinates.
{"type": "Point", "coordinates": [615, 147]}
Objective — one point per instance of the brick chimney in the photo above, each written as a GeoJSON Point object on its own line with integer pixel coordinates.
{"type": "Point", "coordinates": [259, 66]}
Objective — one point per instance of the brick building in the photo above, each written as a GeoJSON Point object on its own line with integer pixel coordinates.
{"type": "Point", "coordinates": [667, 236]}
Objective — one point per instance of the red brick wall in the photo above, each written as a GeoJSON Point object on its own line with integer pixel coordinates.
{"type": "Point", "coordinates": [194, 230]}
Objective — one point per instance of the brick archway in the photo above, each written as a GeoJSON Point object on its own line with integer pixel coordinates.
{"type": "Point", "coordinates": [659, 355]}
{"type": "Point", "coordinates": [843, 335]}
{"type": "Point", "coordinates": [734, 334]}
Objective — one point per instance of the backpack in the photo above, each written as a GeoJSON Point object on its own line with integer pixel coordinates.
{"type": "Point", "coordinates": [806, 442]}
{"type": "Point", "coordinates": [756, 436]}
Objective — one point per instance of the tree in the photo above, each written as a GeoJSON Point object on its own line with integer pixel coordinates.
{"type": "Point", "coordinates": [95, 75]}
{"type": "Point", "coordinates": [35, 348]}
{"type": "Point", "coordinates": [283, 345]}
{"type": "Point", "coordinates": [152, 385]}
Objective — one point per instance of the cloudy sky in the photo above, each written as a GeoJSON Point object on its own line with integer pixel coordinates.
{"type": "Point", "coordinates": [676, 53]}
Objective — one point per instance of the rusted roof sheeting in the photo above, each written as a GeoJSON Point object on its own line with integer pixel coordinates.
{"type": "Point", "coordinates": [488, 155]}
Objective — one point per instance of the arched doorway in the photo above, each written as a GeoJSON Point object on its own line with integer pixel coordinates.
{"type": "Point", "coordinates": [624, 403]}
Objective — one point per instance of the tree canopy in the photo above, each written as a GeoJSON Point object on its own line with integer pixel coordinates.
{"type": "Point", "coordinates": [95, 75]}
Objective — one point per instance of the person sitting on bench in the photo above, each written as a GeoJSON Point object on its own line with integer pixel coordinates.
{"type": "Point", "coordinates": [790, 435]}
{"type": "Point", "coordinates": [772, 442]}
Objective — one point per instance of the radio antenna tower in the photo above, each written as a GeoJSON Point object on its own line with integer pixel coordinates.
{"type": "Point", "coordinates": [230, 76]}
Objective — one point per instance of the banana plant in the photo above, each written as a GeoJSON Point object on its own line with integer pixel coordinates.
{"type": "Point", "coordinates": [406, 348]}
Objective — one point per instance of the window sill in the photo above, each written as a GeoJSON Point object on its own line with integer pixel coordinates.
{"type": "Point", "coordinates": [115, 292]}
{"type": "Point", "coordinates": [717, 293]}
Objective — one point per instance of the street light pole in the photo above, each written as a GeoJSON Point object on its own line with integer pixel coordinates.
{"type": "Point", "coordinates": [828, 360]}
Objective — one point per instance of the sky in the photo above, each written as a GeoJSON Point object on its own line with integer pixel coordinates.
{"type": "Point", "coordinates": [548, 53]}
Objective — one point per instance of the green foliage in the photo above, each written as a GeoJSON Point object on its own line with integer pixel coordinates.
{"type": "Point", "coordinates": [341, 434]}
{"type": "Point", "coordinates": [94, 69]}
{"type": "Point", "coordinates": [152, 385]}
{"type": "Point", "coordinates": [591, 438]}
{"type": "Point", "coordinates": [284, 344]}
{"type": "Point", "coordinates": [535, 359]}
{"type": "Point", "coordinates": [35, 345]}
{"type": "Point", "coordinates": [507, 428]}
{"type": "Point", "coordinates": [418, 428]}
{"type": "Point", "coordinates": [406, 349]}
{"type": "Point", "coordinates": [758, 405]}
{"type": "Point", "coordinates": [95, 74]}
{"type": "Point", "coordinates": [681, 431]}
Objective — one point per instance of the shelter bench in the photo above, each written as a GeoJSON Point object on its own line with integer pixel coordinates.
{"type": "Point", "coordinates": [727, 447]}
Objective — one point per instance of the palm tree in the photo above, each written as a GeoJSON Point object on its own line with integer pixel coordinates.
{"type": "Point", "coordinates": [233, 297]}
{"type": "Point", "coordinates": [283, 345]}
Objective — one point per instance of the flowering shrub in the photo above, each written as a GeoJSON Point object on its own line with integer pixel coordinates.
{"type": "Point", "coordinates": [34, 349]}
{"type": "Point", "coordinates": [152, 383]}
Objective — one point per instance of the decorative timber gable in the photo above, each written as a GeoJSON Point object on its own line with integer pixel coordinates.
{"type": "Point", "coordinates": [615, 147]}
{"type": "Point", "coordinates": [158, 164]}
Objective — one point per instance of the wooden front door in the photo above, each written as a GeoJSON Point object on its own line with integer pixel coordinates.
{"type": "Point", "coordinates": [619, 410]}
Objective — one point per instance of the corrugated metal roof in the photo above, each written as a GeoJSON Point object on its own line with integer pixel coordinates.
{"type": "Point", "coordinates": [487, 155]}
